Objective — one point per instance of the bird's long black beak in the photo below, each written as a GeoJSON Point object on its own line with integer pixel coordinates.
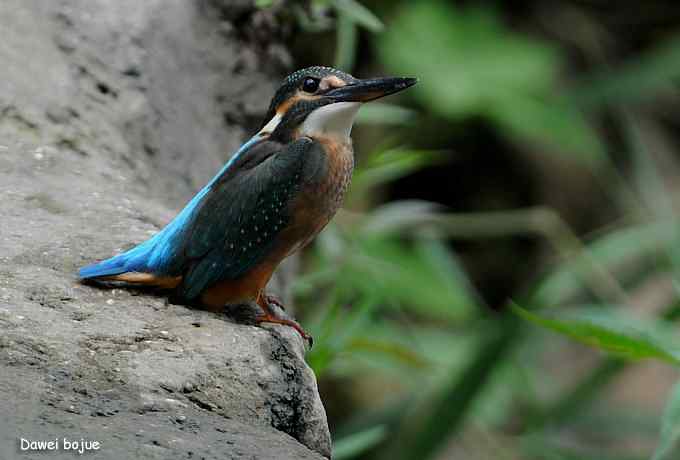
{"type": "Point", "coordinates": [370, 89]}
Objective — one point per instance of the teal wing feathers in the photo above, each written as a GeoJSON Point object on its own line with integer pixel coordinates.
{"type": "Point", "coordinates": [238, 222]}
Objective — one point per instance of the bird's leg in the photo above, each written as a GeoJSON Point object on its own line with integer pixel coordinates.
{"type": "Point", "coordinates": [269, 315]}
{"type": "Point", "coordinates": [273, 300]}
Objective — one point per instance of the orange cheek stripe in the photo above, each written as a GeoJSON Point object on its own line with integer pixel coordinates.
{"type": "Point", "coordinates": [327, 83]}
{"type": "Point", "coordinates": [285, 105]}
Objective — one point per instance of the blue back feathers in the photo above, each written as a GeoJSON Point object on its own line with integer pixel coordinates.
{"type": "Point", "coordinates": [156, 254]}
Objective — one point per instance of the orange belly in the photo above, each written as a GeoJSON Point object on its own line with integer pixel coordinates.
{"type": "Point", "coordinates": [247, 288]}
{"type": "Point", "coordinates": [305, 225]}
{"type": "Point", "coordinates": [311, 211]}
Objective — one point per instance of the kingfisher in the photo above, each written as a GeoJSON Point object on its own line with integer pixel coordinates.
{"type": "Point", "coordinates": [274, 195]}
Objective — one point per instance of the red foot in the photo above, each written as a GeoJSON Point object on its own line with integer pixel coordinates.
{"type": "Point", "coordinates": [270, 316]}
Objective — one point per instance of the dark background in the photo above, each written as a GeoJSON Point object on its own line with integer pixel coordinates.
{"type": "Point", "coordinates": [547, 134]}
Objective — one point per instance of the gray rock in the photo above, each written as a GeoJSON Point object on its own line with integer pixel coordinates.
{"type": "Point", "coordinates": [111, 114]}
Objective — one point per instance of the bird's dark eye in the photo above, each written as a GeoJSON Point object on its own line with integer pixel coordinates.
{"type": "Point", "coordinates": [310, 85]}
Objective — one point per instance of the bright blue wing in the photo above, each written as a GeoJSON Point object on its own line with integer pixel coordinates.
{"type": "Point", "coordinates": [155, 254]}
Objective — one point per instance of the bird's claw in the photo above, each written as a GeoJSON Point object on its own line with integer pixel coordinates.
{"type": "Point", "coordinates": [270, 318]}
{"type": "Point", "coordinates": [271, 315]}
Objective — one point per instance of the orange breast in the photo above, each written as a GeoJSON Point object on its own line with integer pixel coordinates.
{"type": "Point", "coordinates": [311, 210]}
{"type": "Point", "coordinates": [332, 189]}
{"type": "Point", "coordinates": [318, 202]}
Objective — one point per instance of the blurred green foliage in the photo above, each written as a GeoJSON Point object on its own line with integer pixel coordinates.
{"type": "Point", "coordinates": [670, 428]}
{"type": "Point", "coordinates": [608, 330]}
{"type": "Point", "coordinates": [405, 339]}
{"type": "Point", "coordinates": [472, 65]}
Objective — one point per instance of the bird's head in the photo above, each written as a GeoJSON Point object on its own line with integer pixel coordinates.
{"type": "Point", "coordinates": [323, 101]}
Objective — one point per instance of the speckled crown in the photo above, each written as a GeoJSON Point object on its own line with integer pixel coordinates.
{"type": "Point", "coordinates": [293, 81]}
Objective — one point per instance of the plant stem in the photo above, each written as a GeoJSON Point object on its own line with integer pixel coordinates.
{"type": "Point", "coordinates": [541, 221]}
{"type": "Point", "coordinates": [591, 385]}
{"type": "Point", "coordinates": [447, 410]}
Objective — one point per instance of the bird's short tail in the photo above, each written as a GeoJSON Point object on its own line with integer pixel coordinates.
{"type": "Point", "coordinates": [113, 266]}
{"type": "Point", "coordinates": [130, 267]}
{"type": "Point", "coordinates": [146, 263]}
{"type": "Point", "coordinates": [134, 260]}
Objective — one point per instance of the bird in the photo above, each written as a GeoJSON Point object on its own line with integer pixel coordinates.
{"type": "Point", "coordinates": [272, 197]}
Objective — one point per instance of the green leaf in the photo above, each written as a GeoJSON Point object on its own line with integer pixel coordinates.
{"type": "Point", "coordinates": [643, 76]}
{"type": "Point", "coordinates": [604, 329]}
{"type": "Point", "coordinates": [423, 278]}
{"type": "Point", "coordinates": [263, 3]}
{"type": "Point", "coordinates": [552, 122]}
{"type": "Point", "coordinates": [355, 444]}
{"type": "Point", "coordinates": [647, 170]}
{"type": "Point", "coordinates": [346, 42]}
{"type": "Point", "coordinates": [312, 20]}
{"type": "Point", "coordinates": [537, 446]}
{"type": "Point", "coordinates": [336, 331]}
{"type": "Point", "coordinates": [484, 62]}
{"type": "Point", "coordinates": [360, 14]}
{"type": "Point", "coordinates": [414, 354]}
{"type": "Point", "coordinates": [620, 249]}
{"type": "Point", "coordinates": [399, 353]}
{"type": "Point", "coordinates": [390, 165]}
{"type": "Point", "coordinates": [488, 71]}
{"type": "Point", "coordinates": [446, 409]}
{"type": "Point", "coordinates": [419, 217]}
{"type": "Point", "coordinates": [670, 427]}
{"type": "Point", "coordinates": [402, 217]}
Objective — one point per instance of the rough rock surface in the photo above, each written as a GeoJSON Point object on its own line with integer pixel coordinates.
{"type": "Point", "coordinates": [111, 114]}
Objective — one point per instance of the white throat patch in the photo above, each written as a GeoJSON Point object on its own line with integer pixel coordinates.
{"type": "Point", "coordinates": [271, 126]}
{"type": "Point", "coordinates": [332, 119]}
